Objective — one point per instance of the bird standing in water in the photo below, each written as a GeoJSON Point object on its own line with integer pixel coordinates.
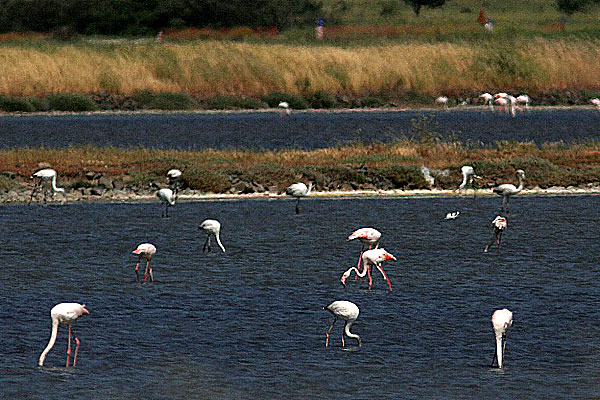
{"type": "Point", "coordinates": [64, 314]}
{"type": "Point", "coordinates": [346, 311]}
{"type": "Point", "coordinates": [46, 175]}
{"type": "Point", "coordinates": [500, 225]}
{"type": "Point", "coordinates": [298, 190]}
{"type": "Point", "coordinates": [211, 227]}
{"type": "Point", "coordinates": [145, 251]}
{"type": "Point", "coordinates": [501, 321]}
{"type": "Point", "coordinates": [508, 189]}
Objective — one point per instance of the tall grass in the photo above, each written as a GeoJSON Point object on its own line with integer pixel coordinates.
{"type": "Point", "coordinates": [209, 68]}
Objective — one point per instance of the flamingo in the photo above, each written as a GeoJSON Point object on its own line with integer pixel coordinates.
{"type": "Point", "coordinates": [368, 236]}
{"type": "Point", "coordinates": [173, 177]}
{"type": "Point", "coordinates": [371, 257]}
{"type": "Point", "coordinates": [501, 321]}
{"type": "Point", "coordinates": [452, 215]}
{"type": "Point", "coordinates": [166, 196]}
{"type": "Point", "coordinates": [507, 189]}
{"type": "Point", "coordinates": [442, 100]}
{"type": "Point", "coordinates": [64, 314]}
{"type": "Point", "coordinates": [346, 311]}
{"type": "Point", "coordinates": [284, 108]}
{"type": "Point", "coordinates": [488, 100]}
{"type": "Point", "coordinates": [145, 251]}
{"type": "Point", "coordinates": [298, 190]}
{"type": "Point", "coordinates": [46, 175]}
{"type": "Point", "coordinates": [211, 227]}
{"type": "Point", "coordinates": [469, 176]}
{"type": "Point", "coordinates": [513, 102]}
{"type": "Point", "coordinates": [499, 224]}
{"type": "Point", "coordinates": [503, 102]}
{"type": "Point", "coordinates": [596, 102]}
{"type": "Point", "coordinates": [524, 99]}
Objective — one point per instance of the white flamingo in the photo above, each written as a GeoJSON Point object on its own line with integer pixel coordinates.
{"type": "Point", "coordinates": [452, 215]}
{"type": "Point", "coordinates": [524, 99]}
{"type": "Point", "coordinates": [173, 179]}
{"type": "Point", "coordinates": [64, 314]}
{"type": "Point", "coordinates": [46, 175]}
{"type": "Point", "coordinates": [501, 321]}
{"type": "Point", "coordinates": [513, 104]}
{"type": "Point", "coordinates": [284, 109]}
{"type": "Point", "coordinates": [443, 101]}
{"type": "Point", "coordinates": [596, 103]}
{"type": "Point", "coordinates": [502, 102]}
{"type": "Point", "coordinates": [370, 258]}
{"type": "Point", "coordinates": [499, 223]}
{"type": "Point", "coordinates": [368, 236]}
{"type": "Point", "coordinates": [488, 100]}
{"type": "Point", "coordinates": [298, 190]}
{"type": "Point", "coordinates": [145, 251]}
{"type": "Point", "coordinates": [166, 196]}
{"type": "Point", "coordinates": [211, 227]}
{"type": "Point", "coordinates": [469, 177]}
{"type": "Point", "coordinates": [508, 189]}
{"type": "Point", "coordinates": [346, 311]}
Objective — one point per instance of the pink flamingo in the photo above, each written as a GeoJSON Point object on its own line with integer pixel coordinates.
{"type": "Point", "coordinates": [368, 236]}
{"type": "Point", "coordinates": [346, 311]}
{"type": "Point", "coordinates": [371, 257]}
{"type": "Point", "coordinates": [501, 321]}
{"type": "Point", "coordinates": [64, 314]}
{"type": "Point", "coordinates": [499, 224]}
{"type": "Point", "coordinates": [145, 251]}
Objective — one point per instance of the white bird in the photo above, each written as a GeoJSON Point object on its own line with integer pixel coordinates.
{"type": "Point", "coordinates": [368, 236]}
{"type": "Point", "coordinates": [500, 95]}
{"type": "Point", "coordinates": [501, 321]}
{"type": "Point", "coordinates": [452, 215]}
{"type": "Point", "coordinates": [507, 189]}
{"type": "Point", "coordinates": [524, 99]}
{"type": "Point", "coordinates": [166, 196]}
{"type": "Point", "coordinates": [442, 100]}
{"type": "Point", "coordinates": [370, 258]}
{"type": "Point", "coordinates": [346, 311]}
{"type": "Point", "coordinates": [488, 100]}
{"type": "Point", "coordinates": [513, 103]}
{"type": "Point", "coordinates": [211, 227]}
{"type": "Point", "coordinates": [503, 102]}
{"type": "Point", "coordinates": [145, 251]}
{"type": "Point", "coordinates": [499, 223]}
{"type": "Point", "coordinates": [298, 190]}
{"type": "Point", "coordinates": [284, 108]}
{"type": "Point", "coordinates": [596, 102]}
{"type": "Point", "coordinates": [173, 178]}
{"type": "Point", "coordinates": [64, 314]}
{"type": "Point", "coordinates": [469, 177]}
{"type": "Point", "coordinates": [46, 175]}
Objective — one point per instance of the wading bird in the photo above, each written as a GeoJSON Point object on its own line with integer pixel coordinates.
{"type": "Point", "coordinates": [368, 236]}
{"type": "Point", "coordinates": [346, 311]}
{"type": "Point", "coordinates": [145, 251]}
{"type": "Point", "coordinates": [501, 321]}
{"type": "Point", "coordinates": [211, 227]}
{"type": "Point", "coordinates": [469, 177]}
{"type": "Point", "coordinates": [173, 179]}
{"type": "Point", "coordinates": [596, 103]}
{"type": "Point", "coordinates": [371, 257]}
{"type": "Point", "coordinates": [46, 175]}
{"type": "Point", "coordinates": [501, 101]}
{"type": "Point", "coordinates": [499, 223]}
{"type": "Point", "coordinates": [166, 196]}
{"type": "Point", "coordinates": [507, 189]}
{"type": "Point", "coordinates": [524, 99]}
{"type": "Point", "coordinates": [488, 100]}
{"type": "Point", "coordinates": [452, 215]}
{"type": "Point", "coordinates": [443, 101]}
{"type": "Point", "coordinates": [64, 314]}
{"type": "Point", "coordinates": [298, 190]}
{"type": "Point", "coordinates": [284, 109]}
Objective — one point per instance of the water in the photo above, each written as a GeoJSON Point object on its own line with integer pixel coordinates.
{"type": "Point", "coordinates": [306, 130]}
{"type": "Point", "coordinates": [249, 324]}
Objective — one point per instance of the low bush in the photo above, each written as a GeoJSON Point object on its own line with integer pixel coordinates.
{"type": "Point", "coordinates": [206, 180]}
{"type": "Point", "coordinates": [233, 102]}
{"type": "Point", "coordinates": [15, 104]}
{"type": "Point", "coordinates": [162, 100]}
{"type": "Point", "coordinates": [70, 102]}
{"type": "Point", "coordinates": [295, 101]}
{"type": "Point", "coordinates": [322, 100]}
{"type": "Point", "coordinates": [372, 102]}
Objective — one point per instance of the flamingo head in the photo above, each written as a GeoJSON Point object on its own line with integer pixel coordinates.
{"type": "Point", "coordinates": [84, 310]}
{"type": "Point", "coordinates": [388, 256]}
{"type": "Point", "coordinates": [344, 277]}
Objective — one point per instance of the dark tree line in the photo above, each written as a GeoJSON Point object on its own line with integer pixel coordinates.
{"type": "Point", "coordinates": [149, 16]}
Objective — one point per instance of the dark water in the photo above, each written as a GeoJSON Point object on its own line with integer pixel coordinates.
{"type": "Point", "coordinates": [307, 130]}
{"type": "Point", "coordinates": [248, 324]}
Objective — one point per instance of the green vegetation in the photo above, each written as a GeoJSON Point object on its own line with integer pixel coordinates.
{"type": "Point", "coordinates": [70, 102]}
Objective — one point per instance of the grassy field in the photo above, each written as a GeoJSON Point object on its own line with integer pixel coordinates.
{"type": "Point", "coordinates": [389, 166]}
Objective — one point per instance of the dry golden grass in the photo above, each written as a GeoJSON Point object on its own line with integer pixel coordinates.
{"type": "Point", "coordinates": [209, 68]}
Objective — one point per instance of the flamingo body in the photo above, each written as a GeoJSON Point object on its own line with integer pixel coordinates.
{"type": "Point", "coordinates": [501, 321]}
{"type": "Point", "coordinates": [443, 101]}
{"type": "Point", "coordinates": [468, 174]}
{"type": "Point", "coordinates": [596, 103]}
{"type": "Point", "coordinates": [488, 100]}
{"type": "Point", "coordinates": [211, 227]}
{"type": "Point", "coordinates": [46, 175]}
{"type": "Point", "coordinates": [452, 215]}
{"type": "Point", "coordinates": [499, 223]}
{"type": "Point", "coordinates": [284, 108]}
{"type": "Point", "coordinates": [167, 197]}
{"type": "Point", "coordinates": [345, 311]}
{"type": "Point", "coordinates": [508, 189]}
{"type": "Point", "coordinates": [298, 190]}
{"type": "Point", "coordinates": [370, 258]}
{"type": "Point", "coordinates": [366, 236]}
{"type": "Point", "coordinates": [64, 314]}
{"type": "Point", "coordinates": [145, 251]}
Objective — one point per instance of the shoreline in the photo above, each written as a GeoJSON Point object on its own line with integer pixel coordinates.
{"type": "Point", "coordinates": [123, 196]}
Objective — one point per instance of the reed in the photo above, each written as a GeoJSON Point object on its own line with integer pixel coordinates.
{"type": "Point", "coordinates": [208, 68]}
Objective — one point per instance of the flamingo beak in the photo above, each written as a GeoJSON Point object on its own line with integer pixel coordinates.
{"type": "Point", "coordinates": [85, 310]}
{"type": "Point", "coordinates": [390, 257]}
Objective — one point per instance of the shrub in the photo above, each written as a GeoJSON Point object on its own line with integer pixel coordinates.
{"type": "Point", "coordinates": [39, 104]}
{"type": "Point", "coordinates": [372, 102]}
{"type": "Point", "coordinates": [13, 104]}
{"type": "Point", "coordinates": [70, 102]}
{"type": "Point", "coordinates": [402, 177]}
{"type": "Point", "coordinates": [171, 101]}
{"type": "Point", "coordinates": [206, 180]}
{"type": "Point", "coordinates": [295, 101]}
{"type": "Point", "coordinates": [233, 102]}
{"type": "Point", "coordinates": [322, 100]}
{"type": "Point", "coordinates": [81, 184]}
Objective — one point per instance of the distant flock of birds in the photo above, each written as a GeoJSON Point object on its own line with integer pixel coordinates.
{"type": "Point", "coordinates": [67, 313]}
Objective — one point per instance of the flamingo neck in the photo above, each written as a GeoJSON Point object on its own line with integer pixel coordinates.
{"type": "Point", "coordinates": [499, 349]}
{"type": "Point", "coordinates": [520, 187]}
{"type": "Point", "coordinates": [219, 241]}
{"type": "Point", "coordinates": [310, 186]}
{"type": "Point", "coordinates": [50, 343]}
{"type": "Point", "coordinates": [350, 334]}
{"type": "Point", "coordinates": [464, 182]}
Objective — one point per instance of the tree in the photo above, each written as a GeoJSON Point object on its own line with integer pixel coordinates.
{"type": "Point", "coordinates": [417, 4]}
{"type": "Point", "coordinates": [571, 6]}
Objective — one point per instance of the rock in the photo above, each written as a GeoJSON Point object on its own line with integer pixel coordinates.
{"type": "Point", "coordinates": [273, 189]}
{"type": "Point", "coordinates": [105, 182]}
{"type": "Point", "coordinates": [243, 187]}
{"type": "Point", "coordinates": [118, 184]}
{"type": "Point", "coordinates": [96, 192]}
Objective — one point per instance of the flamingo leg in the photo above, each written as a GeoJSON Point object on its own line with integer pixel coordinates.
{"type": "Point", "coordinates": [37, 185]}
{"type": "Point", "coordinates": [206, 248]}
{"type": "Point", "coordinates": [297, 205]}
{"type": "Point", "coordinates": [343, 341]}
{"type": "Point", "coordinates": [369, 275]}
{"type": "Point", "coordinates": [77, 341]}
{"type": "Point", "coordinates": [328, 333]}
{"type": "Point", "coordinates": [499, 239]}
{"type": "Point", "coordinates": [137, 267]}
{"type": "Point", "coordinates": [150, 271]}
{"type": "Point", "coordinates": [166, 210]}
{"type": "Point", "coordinates": [504, 202]}
{"type": "Point", "coordinates": [362, 249]}
{"type": "Point", "coordinates": [146, 271]}
{"type": "Point", "coordinates": [507, 204]}
{"type": "Point", "coordinates": [69, 347]}
{"type": "Point", "coordinates": [380, 268]}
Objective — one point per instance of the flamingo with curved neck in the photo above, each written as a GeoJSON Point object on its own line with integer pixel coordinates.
{"type": "Point", "coordinates": [501, 321]}
{"type": "Point", "coordinates": [211, 227]}
{"type": "Point", "coordinates": [298, 190]}
{"type": "Point", "coordinates": [346, 311]}
{"type": "Point", "coordinates": [368, 236]}
{"type": "Point", "coordinates": [64, 314]}
{"type": "Point", "coordinates": [507, 189]}
{"type": "Point", "coordinates": [46, 175]}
